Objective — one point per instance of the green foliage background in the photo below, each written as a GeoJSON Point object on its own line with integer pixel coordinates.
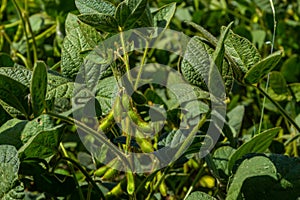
{"type": "Point", "coordinates": [43, 43]}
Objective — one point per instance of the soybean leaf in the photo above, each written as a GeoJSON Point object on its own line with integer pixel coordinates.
{"type": "Point", "coordinates": [22, 75]}
{"type": "Point", "coordinates": [257, 144]}
{"type": "Point", "coordinates": [38, 88]}
{"type": "Point", "coordinates": [129, 11]}
{"type": "Point", "coordinates": [43, 144]}
{"type": "Point", "coordinates": [95, 6]}
{"type": "Point", "coordinates": [82, 38]}
{"type": "Point", "coordinates": [17, 132]}
{"type": "Point", "coordinates": [262, 68]}
{"type": "Point", "coordinates": [295, 88]}
{"type": "Point", "coordinates": [100, 21]}
{"type": "Point", "coordinates": [258, 166]}
{"type": "Point", "coordinates": [291, 69]}
{"type": "Point", "coordinates": [106, 91]}
{"type": "Point", "coordinates": [5, 60]}
{"type": "Point", "coordinates": [235, 118]}
{"type": "Point", "coordinates": [9, 167]}
{"type": "Point", "coordinates": [59, 87]}
{"type": "Point", "coordinates": [277, 87]}
{"type": "Point", "coordinates": [221, 158]}
{"type": "Point", "coordinates": [71, 23]}
{"type": "Point", "coordinates": [14, 94]}
{"type": "Point", "coordinates": [242, 51]}
{"type": "Point", "coordinates": [200, 195]}
{"type": "Point", "coordinates": [196, 62]}
{"type": "Point", "coordinates": [163, 16]}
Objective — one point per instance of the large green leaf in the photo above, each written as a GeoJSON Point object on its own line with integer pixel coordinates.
{"type": "Point", "coordinates": [200, 196]}
{"type": "Point", "coordinates": [102, 22]}
{"type": "Point", "coordinates": [38, 88]}
{"type": "Point", "coordinates": [235, 119]}
{"type": "Point", "coordinates": [257, 144]}
{"type": "Point", "coordinates": [59, 87]}
{"type": "Point", "coordinates": [17, 132]}
{"type": "Point", "coordinates": [105, 93]}
{"type": "Point", "coordinates": [163, 16]}
{"type": "Point", "coordinates": [95, 6]}
{"type": "Point", "coordinates": [196, 62]}
{"type": "Point", "coordinates": [43, 144]}
{"type": "Point", "coordinates": [221, 158]}
{"type": "Point", "coordinates": [242, 51]}
{"type": "Point", "coordinates": [262, 68]}
{"type": "Point", "coordinates": [129, 11]}
{"type": "Point", "coordinates": [82, 38]}
{"type": "Point", "coordinates": [14, 94]}
{"type": "Point", "coordinates": [258, 166]}
{"type": "Point", "coordinates": [291, 69]}
{"type": "Point", "coordinates": [5, 60]}
{"type": "Point", "coordinates": [9, 167]}
{"type": "Point", "coordinates": [20, 74]}
{"type": "Point", "coordinates": [278, 89]}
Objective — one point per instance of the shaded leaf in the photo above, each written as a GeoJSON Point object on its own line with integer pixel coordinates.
{"type": "Point", "coordinates": [163, 16]}
{"type": "Point", "coordinates": [38, 88]}
{"type": "Point", "coordinates": [258, 166]}
{"type": "Point", "coordinates": [200, 195]}
{"type": "Point", "coordinates": [262, 68]}
{"type": "Point", "coordinates": [257, 144]}
{"type": "Point", "coordinates": [221, 158]}
{"type": "Point", "coordinates": [102, 22]}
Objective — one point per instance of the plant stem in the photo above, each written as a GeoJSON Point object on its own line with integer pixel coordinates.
{"type": "Point", "coordinates": [142, 65]}
{"type": "Point", "coordinates": [200, 172]}
{"type": "Point", "coordinates": [73, 171]}
{"type": "Point", "coordinates": [22, 17]}
{"type": "Point", "coordinates": [281, 110]}
{"type": "Point", "coordinates": [86, 174]}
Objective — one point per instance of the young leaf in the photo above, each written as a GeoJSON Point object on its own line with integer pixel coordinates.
{"type": "Point", "coordinates": [258, 144]}
{"type": "Point", "coordinates": [196, 62]}
{"type": "Point", "coordinates": [242, 50]}
{"type": "Point", "coordinates": [38, 88]}
{"type": "Point", "coordinates": [221, 158]}
{"type": "Point", "coordinates": [95, 6]}
{"type": "Point", "coordinates": [129, 11]}
{"type": "Point", "coordinates": [258, 166]}
{"type": "Point", "coordinates": [22, 75]}
{"type": "Point", "coordinates": [163, 16]}
{"type": "Point", "coordinates": [262, 68]}
{"type": "Point", "coordinates": [100, 21]}
{"type": "Point", "coordinates": [81, 38]}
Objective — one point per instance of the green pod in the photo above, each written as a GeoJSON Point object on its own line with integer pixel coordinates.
{"type": "Point", "coordinates": [163, 189]}
{"type": "Point", "coordinates": [115, 192]}
{"type": "Point", "coordinates": [19, 33]}
{"type": "Point", "coordinates": [111, 172]}
{"type": "Point", "coordinates": [130, 183]}
{"type": "Point", "coordinates": [141, 124]}
{"type": "Point", "coordinates": [117, 109]}
{"type": "Point", "coordinates": [126, 101]}
{"type": "Point", "coordinates": [145, 145]}
{"type": "Point", "coordinates": [101, 171]}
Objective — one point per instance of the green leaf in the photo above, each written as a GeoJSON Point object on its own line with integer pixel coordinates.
{"type": "Point", "coordinates": [242, 51]}
{"type": "Point", "coordinates": [200, 196]}
{"type": "Point", "coordinates": [105, 93]}
{"type": "Point", "coordinates": [102, 22]}
{"type": "Point", "coordinates": [5, 60]}
{"type": "Point", "coordinates": [95, 6]}
{"type": "Point", "coordinates": [235, 117]}
{"type": "Point", "coordinates": [262, 68]}
{"type": "Point", "coordinates": [258, 166]}
{"type": "Point", "coordinates": [291, 69]}
{"type": "Point", "coordinates": [59, 87]}
{"type": "Point", "coordinates": [295, 88]}
{"type": "Point", "coordinates": [257, 144]}
{"type": "Point", "coordinates": [17, 132]}
{"type": "Point", "coordinates": [71, 23]}
{"type": "Point", "coordinates": [14, 94]}
{"type": "Point", "coordinates": [221, 158]}
{"type": "Point", "coordinates": [38, 88]}
{"type": "Point", "coordinates": [129, 11]}
{"type": "Point", "coordinates": [22, 75]}
{"type": "Point", "coordinates": [42, 145]}
{"type": "Point", "coordinates": [163, 16]}
{"type": "Point", "coordinates": [82, 38]}
{"type": "Point", "coordinates": [9, 167]}
{"type": "Point", "coordinates": [196, 62]}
